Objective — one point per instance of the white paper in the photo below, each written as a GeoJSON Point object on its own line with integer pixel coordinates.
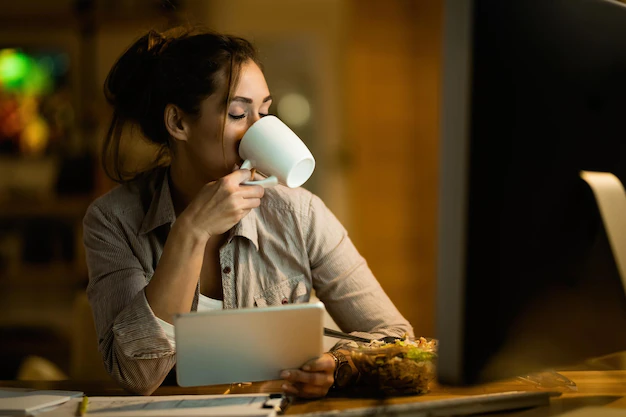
{"type": "Point", "coordinates": [231, 405]}
{"type": "Point", "coordinates": [18, 401]}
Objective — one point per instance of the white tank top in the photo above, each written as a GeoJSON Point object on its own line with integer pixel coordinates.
{"type": "Point", "coordinates": [204, 303]}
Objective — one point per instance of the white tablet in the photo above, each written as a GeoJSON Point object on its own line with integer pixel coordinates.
{"type": "Point", "coordinates": [246, 345]}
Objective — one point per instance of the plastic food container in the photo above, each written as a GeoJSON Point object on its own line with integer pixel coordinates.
{"type": "Point", "coordinates": [405, 367]}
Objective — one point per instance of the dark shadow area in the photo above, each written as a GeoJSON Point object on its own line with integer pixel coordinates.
{"type": "Point", "coordinates": [18, 343]}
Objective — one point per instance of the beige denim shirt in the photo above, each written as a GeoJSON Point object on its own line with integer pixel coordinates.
{"type": "Point", "coordinates": [281, 250]}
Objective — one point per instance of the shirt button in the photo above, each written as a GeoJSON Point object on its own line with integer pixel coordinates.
{"type": "Point", "coordinates": [285, 300]}
{"type": "Point", "coordinates": [226, 270]}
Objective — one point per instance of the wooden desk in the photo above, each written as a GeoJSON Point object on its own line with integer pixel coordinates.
{"type": "Point", "coordinates": [595, 388]}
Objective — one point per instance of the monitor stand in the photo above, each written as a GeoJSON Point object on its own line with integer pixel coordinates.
{"type": "Point", "coordinates": [611, 199]}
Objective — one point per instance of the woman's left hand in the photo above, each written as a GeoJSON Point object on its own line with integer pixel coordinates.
{"type": "Point", "coordinates": [312, 380]}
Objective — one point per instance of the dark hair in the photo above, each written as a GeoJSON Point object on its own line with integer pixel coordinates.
{"type": "Point", "coordinates": [181, 66]}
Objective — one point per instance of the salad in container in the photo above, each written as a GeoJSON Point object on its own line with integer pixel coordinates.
{"type": "Point", "coordinates": [403, 367]}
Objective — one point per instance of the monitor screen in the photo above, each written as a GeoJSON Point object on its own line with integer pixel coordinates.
{"type": "Point", "coordinates": [534, 92]}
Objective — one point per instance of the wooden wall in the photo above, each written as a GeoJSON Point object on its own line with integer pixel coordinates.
{"type": "Point", "coordinates": [391, 100]}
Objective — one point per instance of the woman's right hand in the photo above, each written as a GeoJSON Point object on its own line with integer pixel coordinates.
{"type": "Point", "coordinates": [221, 204]}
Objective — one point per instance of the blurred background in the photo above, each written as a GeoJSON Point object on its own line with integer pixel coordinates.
{"type": "Point", "coordinates": [358, 80]}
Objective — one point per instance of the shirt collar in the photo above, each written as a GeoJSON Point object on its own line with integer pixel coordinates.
{"type": "Point", "coordinates": [161, 211]}
{"type": "Point", "coordinates": [247, 227]}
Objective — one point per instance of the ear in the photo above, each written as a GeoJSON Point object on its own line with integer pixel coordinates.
{"type": "Point", "coordinates": [174, 123]}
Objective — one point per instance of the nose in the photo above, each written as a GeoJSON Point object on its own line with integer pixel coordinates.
{"type": "Point", "coordinates": [250, 121]}
{"type": "Point", "coordinates": [253, 119]}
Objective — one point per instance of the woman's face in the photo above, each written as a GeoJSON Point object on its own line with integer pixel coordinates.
{"type": "Point", "coordinates": [209, 157]}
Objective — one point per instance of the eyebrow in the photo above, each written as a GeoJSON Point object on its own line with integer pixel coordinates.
{"type": "Point", "coordinates": [249, 100]}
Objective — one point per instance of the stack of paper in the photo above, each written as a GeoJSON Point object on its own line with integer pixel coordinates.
{"type": "Point", "coordinates": [21, 402]}
{"type": "Point", "coordinates": [231, 405]}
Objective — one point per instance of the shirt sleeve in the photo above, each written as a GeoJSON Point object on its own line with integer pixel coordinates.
{"type": "Point", "coordinates": [135, 348]}
{"type": "Point", "coordinates": [344, 282]}
{"type": "Point", "coordinates": [169, 332]}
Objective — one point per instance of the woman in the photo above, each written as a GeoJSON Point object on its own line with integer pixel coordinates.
{"type": "Point", "coordinates": [188, 235]}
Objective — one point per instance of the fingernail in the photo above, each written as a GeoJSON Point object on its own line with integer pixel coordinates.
{"type": "Point", "coordinates": [285, 374]}
{"type": "Point", "coordinates": [289, 388]}
{"type": "Point", "coordinates": [306, 368]}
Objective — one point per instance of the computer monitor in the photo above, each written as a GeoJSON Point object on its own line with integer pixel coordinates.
{"type": "Point", "coordinates": [533, 93]}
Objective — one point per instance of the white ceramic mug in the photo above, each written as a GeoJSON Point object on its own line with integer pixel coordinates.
{"type": "Point", "coordinates": [275, 150]}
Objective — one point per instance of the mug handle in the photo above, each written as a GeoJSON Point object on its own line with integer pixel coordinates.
{"type": "Point", "coordinates": [270, 181]}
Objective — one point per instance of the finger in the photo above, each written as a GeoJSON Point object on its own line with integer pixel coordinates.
{"type": "Point", "coordinates": [322, 364]}
{"type": "Point", "coordinates": [241, 175]}
{"type": "Point", "coordinates": [289, 388]}
{"type": "Point", "coordinates": [253, 202]}
{"type": "Point", "coordinates": [244, 213]}
{"type": "Point", "coordinates": [249, 203]}
{"type": "Point", "coordinates": [311, 391]}
{"type": "Point", "coordinates": [252, 191]}
{"type": "Point", "coordinates": [309, 378]}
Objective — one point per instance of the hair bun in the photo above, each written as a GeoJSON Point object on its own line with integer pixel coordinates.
{"type": "Point", "coordinates": [131, 81]}
{"type": "Point", "coordinates": [157, 42]}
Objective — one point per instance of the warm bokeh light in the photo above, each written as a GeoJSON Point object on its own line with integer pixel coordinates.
{"type": "Point", "coordinates": [28, 86]}
{"type": "Point", "coordinates": [34, 137]}
{"type": "Point", "coordinates": [294, 109]}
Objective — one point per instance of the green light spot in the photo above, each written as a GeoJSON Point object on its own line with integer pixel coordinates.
{"type": "Point", "coordinates": [14, 67]}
